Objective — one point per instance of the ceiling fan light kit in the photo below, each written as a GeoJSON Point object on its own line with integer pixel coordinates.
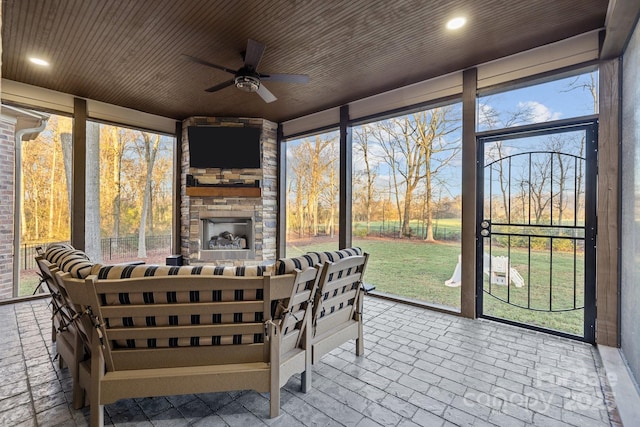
{"type": "Point", "coordinates": [247, 79]}
{"type": "Point", "coordinates": [247, 83]}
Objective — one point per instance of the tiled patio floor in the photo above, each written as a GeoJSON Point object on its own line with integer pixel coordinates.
{"type": "Point", "coordinates": [421, 368]}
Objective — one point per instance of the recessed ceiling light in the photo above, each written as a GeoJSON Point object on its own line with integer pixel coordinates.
{"type": "Point", "coordinates": [39, 61]}
{"type": "Point", "coordinates": [456, 23]}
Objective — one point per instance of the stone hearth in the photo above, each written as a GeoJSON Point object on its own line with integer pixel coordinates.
{"type": "Point", "coordinates": [199, 210]}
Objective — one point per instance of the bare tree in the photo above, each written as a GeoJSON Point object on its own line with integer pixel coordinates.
{"type": "Point", "coordinates": [592, 87]}
{"type": "Point", "coordinates": [561, 166]}
{"type": "Point", "coordinates": [296, 184]}
{"type": "Point", "coordinates": [311, 161]}
{"type": "Point", "coordinates": [148, 151]}
{"type": "Point", "coordinates": [118, 147]}
{"type": "Point", "coordinates": [405, 159]}
{"type": "Point", "coordinates": [433, 129]}
{"type": "Point", "coordinates": [361, 138]}
{"type": "Point", "coordinates": [330, 199]}
{"type": "Point", "coordinates": [539, 184]}
{"type": "Point", "coordinates": [492, 119]}
{"type": "Point", "coordinates": [417, 148]}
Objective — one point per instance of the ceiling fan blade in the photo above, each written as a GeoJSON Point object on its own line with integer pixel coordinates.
{"type": "Point", "coordinates": [287, 78]}
{"type": "Point", "coordinates": [265, 94]}
{"type": "Point", "coordinates": [208, 64]}
{"type": "Point", "coordinates": [220, 86]}
{"type": "Point", "coordinates": [254, 53]}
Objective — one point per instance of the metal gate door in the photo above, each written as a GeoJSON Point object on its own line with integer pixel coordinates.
{"type": "Point", "coordinates": [536, 227]}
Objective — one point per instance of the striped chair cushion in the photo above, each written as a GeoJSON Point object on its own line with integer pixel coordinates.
{"type": "Point", "coordinates": [60, 245]}
{"type": "Point", "coordinates": [72, 261]}
{"type": "Point", "coordinates": [336, 255]}
{"type": "Point", "coordinates": [123, 271]}
{"type": "Point", "coordinates": [135, 271]}
{"type": "Point", "coordinates": [151, 297]}
{"type": "Point", "coordinates": [287, 265]}
{"type": "Point", "coordinates": [58, 250]}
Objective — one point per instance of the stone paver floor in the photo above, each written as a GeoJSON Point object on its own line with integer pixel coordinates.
{"type": "Point", "coordinates": [421, 368]}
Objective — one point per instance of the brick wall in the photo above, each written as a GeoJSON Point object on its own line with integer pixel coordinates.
{"type": "Point", "coordinates": [7, 159]}
{"type": "Point", "coordinates": [264, 209]}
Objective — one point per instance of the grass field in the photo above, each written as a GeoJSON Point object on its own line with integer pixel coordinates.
{"type": "Point", "coordinates": [417, 269]}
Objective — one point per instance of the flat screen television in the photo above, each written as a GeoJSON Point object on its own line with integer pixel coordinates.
{"type": "Point", "coordinates": [224, 147]}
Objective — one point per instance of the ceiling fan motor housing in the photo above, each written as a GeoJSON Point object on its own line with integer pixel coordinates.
{"type": "Point", "coordinates": [247, 80]}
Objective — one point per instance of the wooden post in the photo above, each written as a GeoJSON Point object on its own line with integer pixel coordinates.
{"type": "Point", "coordinates": [608, 205]}
{"type": "Point", "coordinates": [346, 166]}
{"type": "Point", "coordinates": [176, 240]}
{"type": "Point", "coordinates": [281, 233]}
{"type": "Point", "coordinates": [78, 173]}
{"type": "Point", "coordinates": [469, 194]}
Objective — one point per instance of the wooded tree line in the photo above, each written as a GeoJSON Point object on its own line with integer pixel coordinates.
{"type": "Point", "coordinates": [313, 185]}
{"type": "Point", "coordinates": [407, 169]}
{"type": "Point", "coordinates": [540, 186]}
{"type": "Point", "coordinates": [129, 184]}
{"type": "Point", "coordinates": [402, 170]}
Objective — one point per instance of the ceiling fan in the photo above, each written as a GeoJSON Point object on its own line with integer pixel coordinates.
{"type": "Point", "coordinates": [247, 77]}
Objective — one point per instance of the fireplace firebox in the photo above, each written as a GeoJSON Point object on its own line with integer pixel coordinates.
{"type": "Point", "coordinates": [227, 238]}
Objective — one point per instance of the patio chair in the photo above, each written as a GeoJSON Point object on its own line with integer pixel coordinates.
{"type": "Point", "coordinates": [337, 310]}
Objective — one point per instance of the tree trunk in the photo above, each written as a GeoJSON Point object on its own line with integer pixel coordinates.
{"type": "Point", "coordinates": [406, 218]}
{"type": "Point", "coordinates": [429, 205]}
{"type": "Point", "coordinates": [52, 189]}
{"type": "Point", "coordinates": [150, 152]}
{"type": "Point", "coordinates": [314, 217]}
{"type": "Point", "coordinates": [397, 200]}
{"type": "Point", "coordinates": [504, 182]}
{"type": "Point", "coordinates": [92, 209]}
{"type": "Point", "coordinates": [561, 184]}
{"type": "Point", "coordinates": [117, 178]}
{"type": "Point", "coordinates": [36, 217]}
{"type": "Point", "coordinates": [66, 141]}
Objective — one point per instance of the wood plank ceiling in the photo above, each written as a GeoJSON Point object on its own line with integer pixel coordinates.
{"type": "Point", "coordinates": [128, 53]}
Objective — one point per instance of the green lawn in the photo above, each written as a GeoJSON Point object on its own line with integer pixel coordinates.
{"type": "Point", "coordinates": [417, 269]}
{"type": "Point", "coordinates": [29, 280]}
{"type": "Point", "coordinates": [409, 268]}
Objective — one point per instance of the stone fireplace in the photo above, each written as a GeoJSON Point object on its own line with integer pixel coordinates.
{"type": "Point", "coordinates": [230, 216]}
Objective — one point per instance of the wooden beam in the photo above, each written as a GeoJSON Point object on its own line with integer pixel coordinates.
{"type": "Point", "coordinates": [78, 173]}
{"type": "Point", "coordinates": [469, 184]}
{"type": "Point", "coordinates": [622, 16]}
{"type": "Point", "coordinates": [229, 191]}
{"type": "Point", "coordinates": [608, 205]}
{"type": "Point", "coordinates": [346, 165]}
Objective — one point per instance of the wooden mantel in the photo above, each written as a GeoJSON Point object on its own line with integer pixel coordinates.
{"type": "Point", "coordinates": [230, 191]}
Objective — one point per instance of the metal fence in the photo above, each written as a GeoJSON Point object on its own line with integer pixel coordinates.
{"type": "Point", "coordinates": [420, 232]}
{"type": "Point", "coordinates": [113, 248]}
{"type": "Point", "coordinates": [450, 234]}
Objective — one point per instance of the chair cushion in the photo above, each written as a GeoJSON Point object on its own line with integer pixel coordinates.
{"type": "Point", "coordinates": [56, 251]}
{"type": "Point", "coordinates": [336, 255]}
{"type": "Point", "coordinates": [123, 271]}
{"type": "Point", "coordinates": [310, 259]}
{"type": "Point", "coordinates": [136, 271]}
{"type": "Point", "coordinates": [69, 260]}
{"type": "Point", "coordinates": [177, 297]}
